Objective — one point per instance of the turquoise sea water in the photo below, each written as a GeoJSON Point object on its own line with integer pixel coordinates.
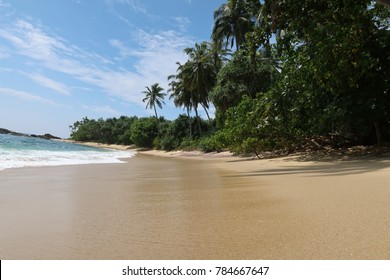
{"type": "Point", "coordinates": [21, 151]}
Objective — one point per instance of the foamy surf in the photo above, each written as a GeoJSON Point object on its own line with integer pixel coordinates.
{"type": "Point", "coordinates": [17, 152]}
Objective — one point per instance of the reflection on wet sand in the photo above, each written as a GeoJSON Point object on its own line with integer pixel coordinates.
{"type": "Point", "coordinates": [159, 208]}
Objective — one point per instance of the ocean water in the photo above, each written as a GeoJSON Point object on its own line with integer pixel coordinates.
{"type": "Point", "coordinates": [21, 151]}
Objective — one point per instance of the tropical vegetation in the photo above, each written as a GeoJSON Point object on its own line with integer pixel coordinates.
{"type": "Point", "coordinates": [154, 96]}
{"type": "Point", "coordinates": [277, 74]}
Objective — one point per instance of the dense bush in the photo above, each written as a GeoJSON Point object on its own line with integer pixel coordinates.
{"type": "Point", "coordinates": [210, 144]}
{"type": "Point", "coordinates": [143, 132]}
{"type": "Point", "coordinates": [109, 131]}
{"type": "Point", "coordinates": [149, 132]}
{"type": "Point", "coordinates": [251, 128]}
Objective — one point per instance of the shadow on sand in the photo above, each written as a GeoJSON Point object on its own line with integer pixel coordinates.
{"type": "Point", "coordinates": [321, 164]}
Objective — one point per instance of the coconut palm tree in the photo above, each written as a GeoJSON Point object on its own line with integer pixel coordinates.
{"type": "Point", "coordinates": [181, 97]}
{"type": "Point", "coordinates": [219, 55]}
{"type": "Point", "coordinates": [153, 96]}
{"type": "Point", "coordinates": [201, 72]}
{"type": "Point", "coordinates": [193, 81]}
{"type": "Point", "coordinates": [183, 91]}
{"type": "Point", "coordinates": [232, 20]}
{"type": "Point", "coordinates": [195, 78]}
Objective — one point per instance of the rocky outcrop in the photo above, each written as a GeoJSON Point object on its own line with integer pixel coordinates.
{"type": "Point", "coordinates": [4, 131]}
{"type": "Point", "coordinates": [46, 136]}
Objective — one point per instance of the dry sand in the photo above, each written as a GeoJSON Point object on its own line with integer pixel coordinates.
{"type": "Point", "coordinates": [195, 206]}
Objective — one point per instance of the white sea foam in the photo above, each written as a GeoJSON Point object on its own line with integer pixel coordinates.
{"type": "Point", "coordinates": [16, 152]}
{"type": "Point", "coordinates": [17, 159]}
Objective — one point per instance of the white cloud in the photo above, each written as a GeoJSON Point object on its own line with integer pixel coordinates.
{"type": "Point", "coordinates": [122, 8]}
{"type": "Point", "coordinates": [3, 54]}
{"type": "Point", "coordinates": [123, 50]}
{"type": "Point", "coordinates": [4, 4]}
{"type": "Point", "coordinates": [182, 23]}
{"type": "Point", "coordinates": [169, 39]}
{"type": "Point", "coordinates": [155, 58]}
{"type": "Point", "coordinates": [28, 96]}
{"type": "Point", "coordinates": [5, 69]}
{"type": "Point", "coordinates": [86, 89]}
{"type": "Point", "coordinates": [49, 83]}
{"type": "Point", "coordinates": [160, 52]}
{"type": "Point", "coordinates": [102, 109]}
{"type": "Point", "coordinates": [156, 55]}
{"type": "Point", "coordinates": [33, 42]}
{"type": "Point", "coordinates": [135, 5]}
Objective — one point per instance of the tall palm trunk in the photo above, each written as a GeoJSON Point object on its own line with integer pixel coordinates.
{"type": "Point", "coordinates": [198, 120]}
{"type": "Point", "coordinates": [189, 121]}
{"type": "Point", "coordinates": [155, 111]}
{"type": "Point", "coordinates": [207, 113]}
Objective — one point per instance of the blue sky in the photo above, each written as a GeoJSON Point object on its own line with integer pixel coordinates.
{"type": "Point", "coordinates": [62, 60]}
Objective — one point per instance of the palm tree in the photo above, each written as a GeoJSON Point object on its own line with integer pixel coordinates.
{"type": "Point", "coordinates": [195, 78]}
{"type": "Point", "coordinates": [201, 72]}
{"type": "Point", "coordinates": [183, 91]}
{"type": "Point", "coordinates": [219, 55]}
{"type": "Point", "coordinates": [181, 97]}
{"type": "Point", "coordinates": [153, 96]}
{"type": "Point", "coordinates": [232, 20]}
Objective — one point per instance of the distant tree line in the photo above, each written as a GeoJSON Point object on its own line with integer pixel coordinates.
{"type": "Point", "coordinates": [147, 132]}
{"type": "Point", "coordinates": [277, 72]}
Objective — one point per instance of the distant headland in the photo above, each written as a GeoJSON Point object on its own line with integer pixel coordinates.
{"type": "Point", "coordinates": [46, 136]}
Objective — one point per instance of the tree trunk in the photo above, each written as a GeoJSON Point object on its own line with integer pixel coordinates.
{"type": "Point", "coordinates": [207, 113]}
{"type": "Point", "coordinates": [155, 111]}
{"type": "Point", "coordinates": [197, 118]}
{"type": "Point", "coordinates": [189, 122]}
{"type": "Point", "coordinates": [378, 134]}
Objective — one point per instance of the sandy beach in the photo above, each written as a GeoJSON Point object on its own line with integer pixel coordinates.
{"type": "Point", "coordinates": [192, 206]}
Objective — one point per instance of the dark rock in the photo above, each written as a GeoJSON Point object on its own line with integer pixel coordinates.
{"type": "Point", "coordinates": [46, 136]}
{"type": "Point", "coordinates": [4, 131]}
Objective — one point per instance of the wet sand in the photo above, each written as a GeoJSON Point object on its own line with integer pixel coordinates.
{"type": "Point", "coordinates": [195, 208]}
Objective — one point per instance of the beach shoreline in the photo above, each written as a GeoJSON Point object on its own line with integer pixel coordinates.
{"type": "Point", "coordinates": [190, 205]}
{"type": "Point", "coordinates": [98, 145]}
{"type": "Point", "coordinates": [325, 154]}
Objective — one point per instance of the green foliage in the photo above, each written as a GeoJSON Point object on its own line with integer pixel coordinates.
{"type": "Point", "coordinates": [334, 63]}
{"type": "Point", "coordinates": [209, 144]}
{"type": "Point", "coordinates": [232, 20]}
{"type": "Point", "coordinates": [109, 131]}
{"type": "Point", "coordinates": [241, 76]}
{"type": "Point", "coordinates": [251, 128]}
{"type": "Point", "coordinates": [143, 132]}
{"type": "Point", "coordinates": [154, 96]}
{"type": "Point", "coordinates": [167, 138]}
{"type": "Point", "coordinates": [195, 78]}
{"type": "Point", "coordinates": [302, 68]}
{"type": "Point", "coordinates": [84, 130]}
{"type": "Point", "coordinates": [181, 127]}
